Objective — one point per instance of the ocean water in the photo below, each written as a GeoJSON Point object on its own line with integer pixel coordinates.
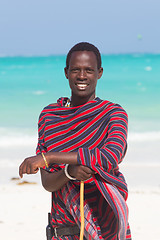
{"type": "Point", "coordinates": [27, 84]}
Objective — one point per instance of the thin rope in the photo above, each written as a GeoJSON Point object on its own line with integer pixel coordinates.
{"type": "Point", "coordinates": [82, 209]}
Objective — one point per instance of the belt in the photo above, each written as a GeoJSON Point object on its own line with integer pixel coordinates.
{"type": "Point", "coordinates": [64, 231]}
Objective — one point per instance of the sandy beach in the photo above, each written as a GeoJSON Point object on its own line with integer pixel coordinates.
{"type": "Point", "coordinates": [24, 207]}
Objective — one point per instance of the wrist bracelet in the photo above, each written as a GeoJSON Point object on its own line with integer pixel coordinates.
{"type": "Point", "coordinates": [67, 174]}
{"type": "Point", "coordinates": [45, 161]}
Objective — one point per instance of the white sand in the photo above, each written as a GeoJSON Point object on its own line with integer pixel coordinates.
{"type": "Point", "coordinates": [144, 214]}
{"type": "Point", "coordinates": [24, 208]}
{"type": "Point", "coordinates": [23, 212]}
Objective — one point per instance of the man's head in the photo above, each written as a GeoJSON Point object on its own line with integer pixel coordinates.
{"type": "Point", "coordinates": [84, 46]}
{"type": "Point", "coordinates": [83, 69]}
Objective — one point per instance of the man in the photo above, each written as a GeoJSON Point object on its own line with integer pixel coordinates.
{"type": "Point", "coordinates": [83, 138]}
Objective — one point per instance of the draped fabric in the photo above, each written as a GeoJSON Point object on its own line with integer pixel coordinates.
{"type": "Point", "coordinates": [97, 131]}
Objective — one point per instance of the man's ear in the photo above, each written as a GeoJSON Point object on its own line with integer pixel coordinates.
{"type": "Point", "coordinates": [66, 72]}
{"type": "Point", "coordinates": [100, 73]}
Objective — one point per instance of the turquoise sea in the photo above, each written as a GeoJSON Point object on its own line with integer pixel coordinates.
{"type": "Point", "coordinates": [27, 84]}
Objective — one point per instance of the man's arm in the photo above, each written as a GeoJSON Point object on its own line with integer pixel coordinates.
{"type": "Point", "coordinates": [32, 164]}
{"type": "Point", "coordinates": [54, 181]}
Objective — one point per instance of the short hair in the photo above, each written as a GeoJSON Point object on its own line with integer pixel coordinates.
{"type": "Point", "coordinates": [84, 46]}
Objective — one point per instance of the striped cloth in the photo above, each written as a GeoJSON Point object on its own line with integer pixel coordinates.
{"type": "Point", "coordinates": [96, 130]}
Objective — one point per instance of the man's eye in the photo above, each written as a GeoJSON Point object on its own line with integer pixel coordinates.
{"type": "Point", "coordinates": [74, 70]}
{"type": "Point", "coordinates": [89, 70]}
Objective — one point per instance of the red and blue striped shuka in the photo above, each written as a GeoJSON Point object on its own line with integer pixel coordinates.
{"type": "Point", "coordinates": [96, 130]}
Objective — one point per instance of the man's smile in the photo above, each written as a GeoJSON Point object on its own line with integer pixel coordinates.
{"type": "Point", "coordinates": [81, 86]}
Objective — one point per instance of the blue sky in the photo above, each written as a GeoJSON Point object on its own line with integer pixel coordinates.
{"type": "Point", "coordinates": [36, 27]}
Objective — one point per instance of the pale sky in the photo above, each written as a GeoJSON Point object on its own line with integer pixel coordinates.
{"type": "Point", "coordinates": [46, 27]}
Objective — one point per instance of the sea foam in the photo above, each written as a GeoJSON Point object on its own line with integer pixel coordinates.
{"type": "Point", "coordinates": [12, 137]}
{"type": "Point", "coordinates": [144, 136]}
{"type": "Point", "coordinates": [14, 141]}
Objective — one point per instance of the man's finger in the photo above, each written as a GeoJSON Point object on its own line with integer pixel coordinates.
{"type": "Point", "coordinates": [86, 176]}
{"type": "Point", "coordinates": [28, 169]}
{"type": "Point", "coordinates": [20, 170]}
{"type": "Point", "coordinates": [87, 170]}
{"type": "Point", "coordinates": [33, 170]}
{"type": "Point", "coordinates": [23, 169]}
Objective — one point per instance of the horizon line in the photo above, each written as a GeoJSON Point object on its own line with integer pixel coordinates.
{"type": "Point", "coordinates": [64, 54]}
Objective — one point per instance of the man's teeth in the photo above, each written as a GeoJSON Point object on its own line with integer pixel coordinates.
{"type": "Point", "coordinates": [82, 85]}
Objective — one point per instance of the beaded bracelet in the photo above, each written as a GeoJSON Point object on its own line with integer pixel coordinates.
{"type": "Point", "coordinates": [67, 174]}
{"type": "Point", "coordinates": [45, 161]}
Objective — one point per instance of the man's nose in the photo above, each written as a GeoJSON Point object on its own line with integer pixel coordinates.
{"type": "Point", "coordinates": [82, 74]}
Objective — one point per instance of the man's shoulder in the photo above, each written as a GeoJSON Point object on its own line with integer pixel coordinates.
{"type": "Point", "coordinates": [110, 104]}
{"type": "Point", "coordinates": [50, 106]}
{"type": "Point", "coordinates": [113, 108]}
{"type": "Point", "coordinates": [48, 109]}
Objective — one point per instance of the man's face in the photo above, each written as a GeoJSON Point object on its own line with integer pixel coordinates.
{"type": "Point", "coordinates": [83, 74]}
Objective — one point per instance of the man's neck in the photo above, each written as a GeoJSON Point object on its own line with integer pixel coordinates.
{"type": "Point", "coordinates": [76, 101]}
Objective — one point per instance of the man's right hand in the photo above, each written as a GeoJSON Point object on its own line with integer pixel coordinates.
{"type": "Point", "coordinates": [80, 172]}
{"type": "Point", "coordinates": [31, 165]}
